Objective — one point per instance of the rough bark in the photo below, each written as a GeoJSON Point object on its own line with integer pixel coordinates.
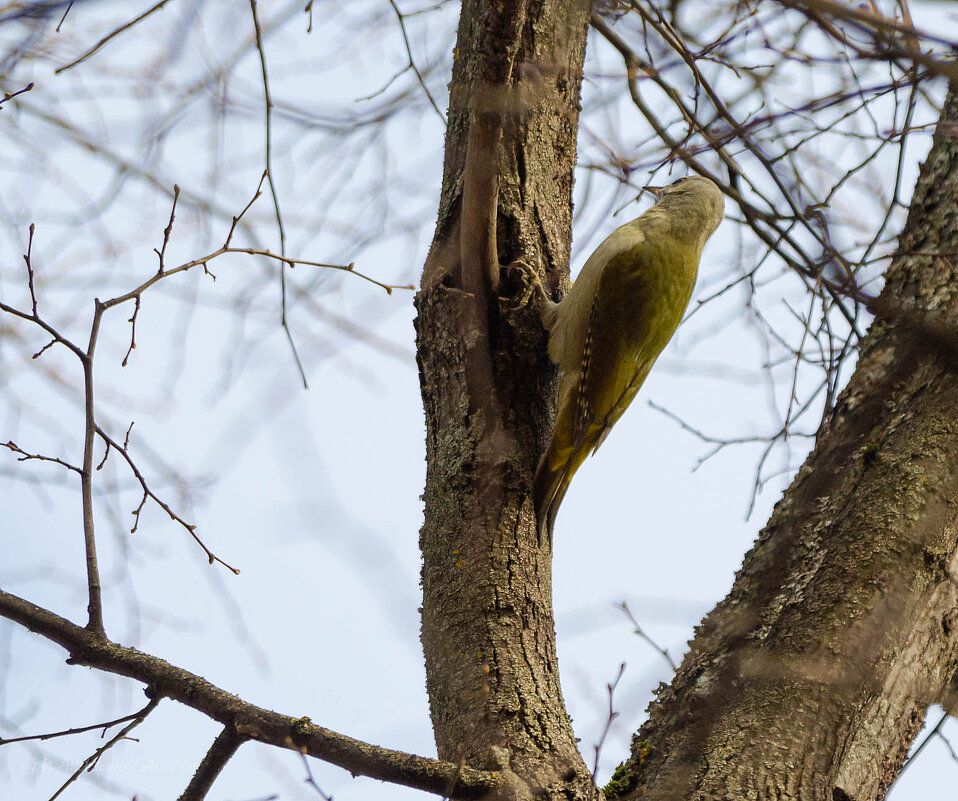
{"type": "Point", "coordinates": [487, 626]}
{"type": "Point", "coordinates": [811, 679]}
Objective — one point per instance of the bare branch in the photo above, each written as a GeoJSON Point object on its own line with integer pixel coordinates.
{"type": "Point", "coordinates": [81, 729]}
{"type": "Point", "coordinates": [10, 95]}
{"type": "Point", "coordinates": [255, 723]}
{"type": "Point", "coordinates": [148, 493]}
{"type": "Point", "coordinates": [610, 719]}
{"type": "Point", "coordinates": [881, 27]}
{"type": "Point", "coordinates": [95, 605]}
{"type": "Point", "coordinates": [27, 258]}
{"type": "Point", "coordinates": [226, 248]}
{"type": "Point", "coordinates": [63, 18]}
{"type": "Point", "coordinates": [309, 15]}
{"type": "Point", "coordinates": [161, 253]}
{"type": "Point", "coordinates": [637, 629]}
{"type": "Point", "coordinates": [23, 456]}
{"type": "Point", "coordinates": [412, 62]}
{"type": "Point", "coordinates": [202, 261]}
{"type": "Point", "coordinates": [90, 762]}
{"type": "Point", "coordinates": [311, 781]}
{"type": "Point", "coordinates": [222, 750]}
{"type": "Point", "coordinates": [272, 190]}
{"type": "Point", "coordinates": [114, 33]}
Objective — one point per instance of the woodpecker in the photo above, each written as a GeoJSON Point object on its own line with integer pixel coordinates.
{"type": "Point", "coordinates": [607, 332]}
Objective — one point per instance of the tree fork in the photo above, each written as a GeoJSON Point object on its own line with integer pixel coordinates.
{"type": "Point", "coordinates": [487, 386]}
{"type": "Point", "coordinates": [813, 676]}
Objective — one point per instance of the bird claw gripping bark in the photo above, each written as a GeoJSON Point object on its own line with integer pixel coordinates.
{"type": "Point", "coordinates": [523, 279]}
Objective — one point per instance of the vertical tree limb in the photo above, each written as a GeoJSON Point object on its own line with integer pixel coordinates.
{"type": "Point", "coordinates": [812, 678]}
{"type": "Point", "coordinates": [488, 633]}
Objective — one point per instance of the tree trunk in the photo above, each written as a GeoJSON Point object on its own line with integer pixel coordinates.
{"type": "Point", "coordinates": [812, 678]}
{"type": "Point", "coordinates": [487, 387]}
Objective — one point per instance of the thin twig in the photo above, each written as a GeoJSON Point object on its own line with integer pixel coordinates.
{"type": "Point", "coordinates": [203, 261]}
{"type": "Point", "coordinates": [311, 781]}
{"type": "Point", "coordinates": [412, 62]}
{"type": "Point", "coordinates": [114, 33]}
{"type": "Point", "coordinates": [610, 719]}
{"type": "Point", "coordinates": [275, 195]}
{"type": "Point", "coordinates": [63, 18]}
{"type": "Point", "coordinates": [90, 762]}
{"type": "Point", "coordinates": [167, 232]}
{"type": "Point", "coordinates": [148, 493]}
{"type": "Point", "coordinates": [222, 251]}
{"type": "Point", "coordinates": [637, 629]}
{"type": "Point", "coordinates": [80, 729]}
{"type": "Point", "coordinates": [23, 456]}
{"type": "Point", "coordinates": [27, 257]}
{"type": "Point", "coordinates": [10, 95]}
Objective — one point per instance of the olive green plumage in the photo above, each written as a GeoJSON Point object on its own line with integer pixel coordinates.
{"type": "Point", "coordinates": [622, 310]}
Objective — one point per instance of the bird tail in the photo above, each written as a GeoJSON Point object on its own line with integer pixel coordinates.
{"type": "Point", "coordinates": [551, 482]}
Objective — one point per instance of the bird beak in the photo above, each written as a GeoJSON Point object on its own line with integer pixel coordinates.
{"type": "Point", "coordinates": [655, 190]}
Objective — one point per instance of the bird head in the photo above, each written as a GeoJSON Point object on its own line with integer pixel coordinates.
{"type": "Point", "coordinates": [694, 196]}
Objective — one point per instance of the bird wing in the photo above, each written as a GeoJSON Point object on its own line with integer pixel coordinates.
{"type": "Point", "coordinates": [580, 325]}
{"type": "Point", "coordinates": [594, 340]}
{"type": "Point", "coordinates": [618, 338]}
{"type": "Point", "coordinates": [622, 403]}
{"type": "Point", "coordinates": [570, 316]}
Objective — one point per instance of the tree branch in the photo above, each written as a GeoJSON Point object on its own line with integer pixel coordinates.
{"type": "Point", "coordinates": [111, 35]}
{"type": "Point", "coordinates": [222, 750]}
{"type": "Point", "coordinates": [90, 762]}
{"type": "Point", "coordinates": [81, 729]}
{"type": "Point", "coordinates": [95, 603]}
{"type": "Point", "coordinates": [249, 721]}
